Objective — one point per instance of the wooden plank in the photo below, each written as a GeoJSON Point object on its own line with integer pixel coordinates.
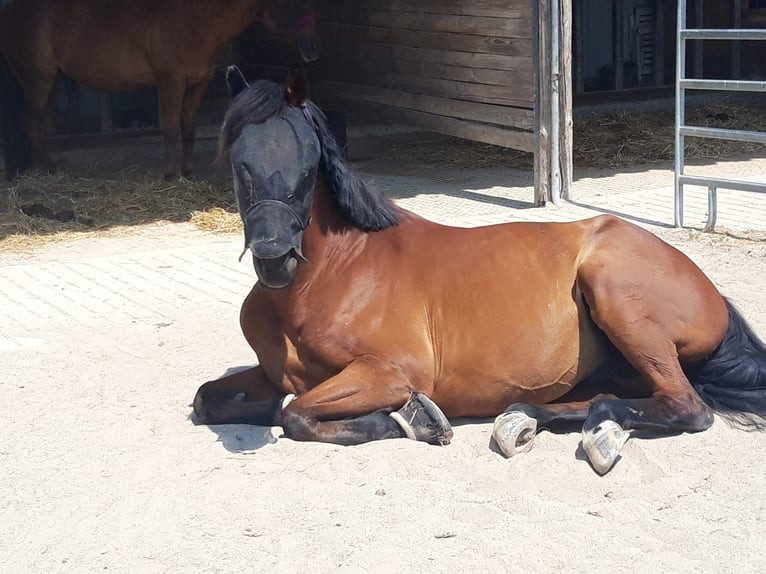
{"type": "Point", "coordinates": [447, 57]}
{"type": "Point", "coordinates": [439, 40]}
{"type": "Point", "coordinates": [519, 118]}
{"type": "Point", "coordinates": [542, 165]}
{"type": "Point", "coordinates": [566, 135]}
{"type": "Point", "coordinates": [522, 97]}
{"type": "Point", "coordinates": [490, 8]}
{"type": "Point", "coordinates": [579, 71]}
{"type": "Point", "coordinates": [520, 140]}
{"type": "Point", "coordinates": [347, 60]}
{"type": "Point", "coordinates": [659, 42]}
{"type": "Point", "coordinates": [358, 15]}
{"type": "Point", "coordinates": [617, 39]}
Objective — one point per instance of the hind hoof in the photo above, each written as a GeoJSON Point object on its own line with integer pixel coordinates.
{"type": "Point", "coordinates": [603, 444]}
{"type": "Point", "coordinates": [514, 432]}
{"type": "Point", "coordinates": [422, 420]}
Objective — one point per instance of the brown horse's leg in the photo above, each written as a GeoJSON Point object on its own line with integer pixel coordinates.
{"type": "Point", "coordinates": [37, 94]}
{"type": "Point", "coordinates": [360, 405]}
{"type": "Point", "coordinates": [643, 329]}
{"type": "Point", "coordinates": [246, 397]}
{"type": "Point", "coordinates": [192, 100]}
{"type": "Point", "coordinates": [171, 95]}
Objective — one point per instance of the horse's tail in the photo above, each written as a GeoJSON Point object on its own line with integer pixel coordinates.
{"type": "Point", "coordinates": [732, 381]}
{"type": "Point", "coordinates": [16, 148]}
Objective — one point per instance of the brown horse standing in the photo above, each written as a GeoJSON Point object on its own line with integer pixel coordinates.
{"type": "Point", "coordinates": [373, 316]}
{"type": "Point", "coordinates": [133, 44]}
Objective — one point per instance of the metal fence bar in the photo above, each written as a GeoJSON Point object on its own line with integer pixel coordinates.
{"type": "Point", "coordinates": [736, 185]}
{"type": "Point", "coordinates": [721, 34]}
{"type": "Point", "coordinates": [723, 134]}
{"type": "Point", "coordinates": [727, 85]}
{"type": "Point", "coordinates": [682, 130]}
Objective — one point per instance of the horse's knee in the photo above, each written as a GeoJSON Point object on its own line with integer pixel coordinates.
{"type": "Point", "coordinates": [297, 426]}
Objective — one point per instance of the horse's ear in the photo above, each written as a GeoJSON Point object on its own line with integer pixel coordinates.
{"type": "Point", "coordinates": [235, 81]}
{"type": "Point", "coordinates": [296, 87]}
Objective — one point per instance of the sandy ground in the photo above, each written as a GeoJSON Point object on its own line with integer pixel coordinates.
{"type": "Point", "coordinates": [104, 341]}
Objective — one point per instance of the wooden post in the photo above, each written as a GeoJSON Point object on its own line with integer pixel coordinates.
{"type": "Point", "coordinates": [659, 42]}
{"type": "Point", "coordinates": [579, 48]}
{"type": "Point", "coordinates": [617, 38]}
{"type": "Point", "coordinates": [543, 103]}
{"type": "Point", "coordinates": [565, 97]}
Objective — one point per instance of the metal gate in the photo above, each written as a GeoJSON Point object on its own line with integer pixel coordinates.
{"type": "Point", "coordinates": [681, 129]}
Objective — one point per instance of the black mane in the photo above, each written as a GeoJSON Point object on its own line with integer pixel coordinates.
{"type": "Point", "coordinates": [364, 208]}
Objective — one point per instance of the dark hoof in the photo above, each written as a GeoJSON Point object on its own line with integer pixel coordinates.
{"type": "Point", "coordinates": [422, 420]}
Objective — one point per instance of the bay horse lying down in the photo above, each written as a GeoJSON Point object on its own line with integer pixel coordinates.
{"type": "Point", "coordinates": [370, 322]}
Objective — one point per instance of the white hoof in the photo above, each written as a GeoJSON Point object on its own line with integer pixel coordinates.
{"type": "Point", "coordinates": [603, 445]}
{"type": "Point", "coordinates": [514, 432]}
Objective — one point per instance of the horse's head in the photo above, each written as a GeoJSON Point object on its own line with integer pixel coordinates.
{"type": "Point", "coordinates": [294, 21]}
{"type": "Point", "coordinates": [274, 159]}
{"type": "Point", "coordinates": [278, 143]}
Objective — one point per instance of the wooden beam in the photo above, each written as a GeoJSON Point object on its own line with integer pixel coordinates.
{"type": "Point", "coordinates": [443, 55]}
{"type": "Point", "coordinates": [504, 27]}
{"type": "Point", "coordinates": [579, 48]}
{"type": "Point", "coordinates": [543, 104]}
{"type": "Point", "coordinates": [619, 52]}
{"type": "Point", "coordinates": [495, 135]}
{"type": "Point", "coordinates": [502, 116]}
{"type": "Point", "coordinates": [490, 8]}
{"type": "Point", "coordinates": [659, 42]}
{"type": "Point", "coordinates": [440, 40]}
{"type": "Point", "coordinates": [565, 97]}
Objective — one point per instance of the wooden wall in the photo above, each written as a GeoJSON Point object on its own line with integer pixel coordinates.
{"type": "Point", "coordinates": [459, 67]}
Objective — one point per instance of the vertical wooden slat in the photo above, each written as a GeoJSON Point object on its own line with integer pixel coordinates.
{"type": "Point", "coordinates": [579, 48]}
{"type": "Point", "coordinates": [565, 97]}
{"type": "Point", "coordinates": [617, 19]}
{"type": "Point", "coordinates": [543, 103]}
{"type": "Point", "coordinates": [659, 42]}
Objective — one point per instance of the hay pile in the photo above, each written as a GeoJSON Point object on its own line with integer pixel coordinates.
{"type": "Point", "coordinates": [38, 207]}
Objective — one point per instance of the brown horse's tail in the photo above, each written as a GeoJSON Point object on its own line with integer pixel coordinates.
{"type": "Point", "coordinates": [732, 380]}
{"type": "Point", "coordinates": [16, 149]}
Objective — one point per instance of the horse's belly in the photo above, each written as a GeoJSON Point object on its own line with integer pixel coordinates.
{"type": "Point", "coordinates": [533, 364]}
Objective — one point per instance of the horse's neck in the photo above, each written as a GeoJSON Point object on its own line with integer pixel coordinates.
{"type": "Point", "coordinates": [329, 232]}
{"type": "Point", "coordinates": [228, 19]}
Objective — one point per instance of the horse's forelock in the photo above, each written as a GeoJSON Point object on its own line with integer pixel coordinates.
{"type": "Point", "coordinates": [254, 105]}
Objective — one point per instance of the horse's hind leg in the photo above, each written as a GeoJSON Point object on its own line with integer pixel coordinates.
{"type": "Point", "coordinates": [191, 103]}
{"type": "Point", "coordinates": [171, 95]}
{"type": "Point", "coordinates": [246, 397]}
{"type": "Point", "coordinates": [648, 327]}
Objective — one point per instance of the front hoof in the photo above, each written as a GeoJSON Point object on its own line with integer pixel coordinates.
{"type": "Point", "coordinates": [603, 444]}
{"type": "Point", "coordinates": [514, 432]}
{"type": "Point", "coordinates": [422, 420]}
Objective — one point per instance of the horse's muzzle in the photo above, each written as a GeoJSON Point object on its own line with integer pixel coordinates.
{"type": "Point", "coordinates": [276, 272]}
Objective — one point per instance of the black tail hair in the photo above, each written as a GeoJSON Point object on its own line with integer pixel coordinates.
{"type": "Point", "coordinates": [732, 381]}
{"type": "Point", "coordinates": [16, 149]}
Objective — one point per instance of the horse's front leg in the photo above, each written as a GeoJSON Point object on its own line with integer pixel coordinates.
{"type": "Point", "coordinates": [171, 96]}
{"type": "Point", "coordinates": [191, 103]}
{"type": "Point", "coordinates": [369, 400]}
{"type": "Point", "coordinates": [246, 397]}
